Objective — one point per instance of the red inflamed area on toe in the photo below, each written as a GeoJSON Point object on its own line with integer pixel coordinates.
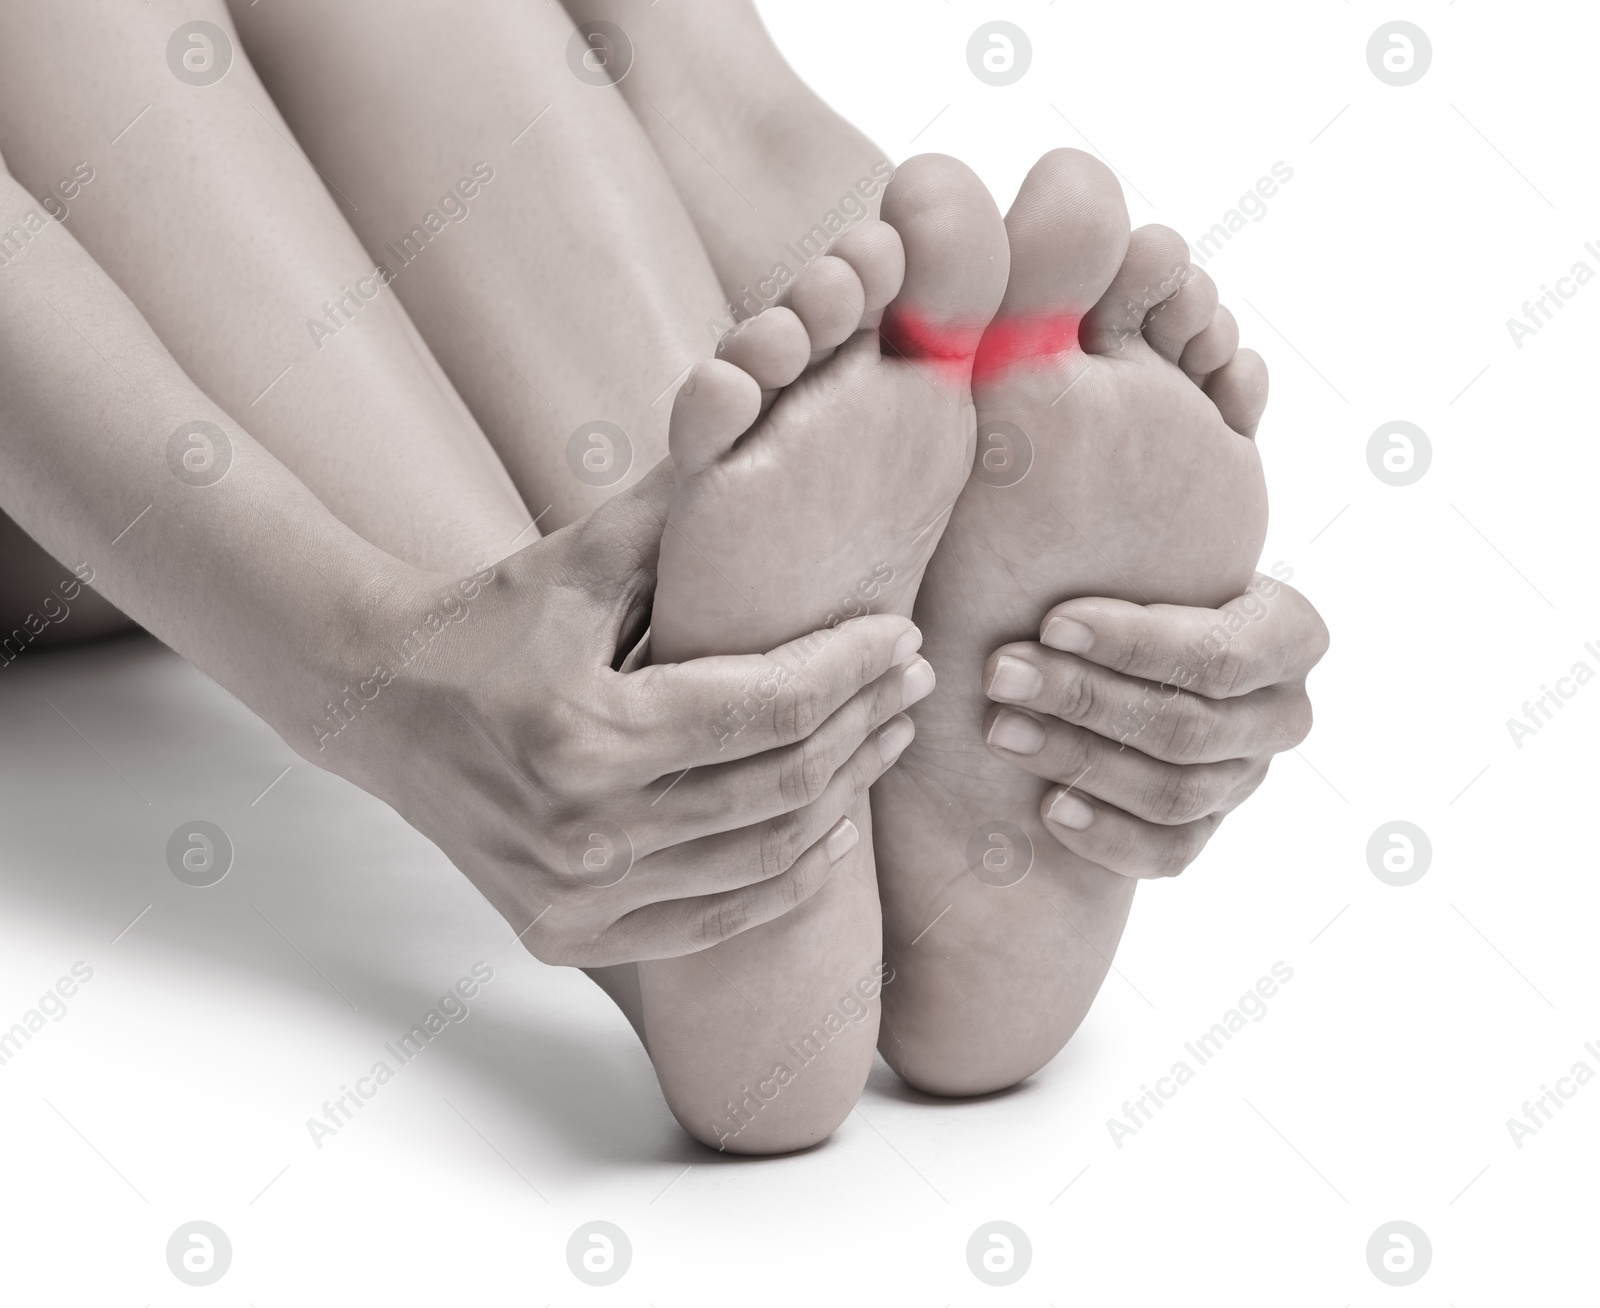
{"type": "Point", "coordinates": [1015, 341]}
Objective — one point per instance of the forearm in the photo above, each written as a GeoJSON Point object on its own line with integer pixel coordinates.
{"type": "Point", "coordinates": [226, 557]}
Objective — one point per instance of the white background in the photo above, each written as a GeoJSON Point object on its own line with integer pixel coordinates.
{"type": "Point", "coordinates": [1377, 1087]}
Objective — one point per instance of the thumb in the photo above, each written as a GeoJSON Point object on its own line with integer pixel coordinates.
{"type": "Point", "coordinates": [612, 553]}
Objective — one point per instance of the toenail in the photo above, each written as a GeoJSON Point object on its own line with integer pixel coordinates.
{"type": "Point", "coordinates": [1016, 733]}
{"type": "Point", "coordinates": [1067, 810]}
{"type": "Point", "coordinates": [908, 644]}
{"type": "Point", "coordinates": [1014, 679]}
{"type": "Point", "coordinates": [844, 837]}
{"type": "Point", "coordinates": [1065, 634]}
{"type": "Point", "coordinates": [894, 737]}
{"type": "Point", "coordinates": [916, 682]}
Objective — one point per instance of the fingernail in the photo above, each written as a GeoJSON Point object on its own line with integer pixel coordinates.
{"type": "Point", "coordinates": [916, 682]}
{"type": "Point", "coordinates": [1016, 732]}
{"type": "Point", "coordinates": [844, 837]}
{"type": "Point", "coordinates": [908, 644]}
{"type": "Point", "coordinates": [1065, 634]}
{"type": "Point", "coordinates": [1014, 679]}
{"type": "Point", "coordinates": [895, 736]}
{"type": "Point", "coordinates": [1067, 810]}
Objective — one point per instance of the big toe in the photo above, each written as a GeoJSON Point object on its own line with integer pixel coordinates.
{"type": "Point", "coordinates": [956, 259]}
{"type": "Point", "coordinates": [1068, 232]}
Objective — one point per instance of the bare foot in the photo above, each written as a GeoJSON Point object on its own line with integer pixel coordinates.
{"type": "Point", "coordinates": [825, 507]}
{"type": "Point", "coordinates": [1114, 459]}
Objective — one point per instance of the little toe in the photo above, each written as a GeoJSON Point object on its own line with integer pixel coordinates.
{"type": "Point", "coordinates": [1173, 323]}
{"type": "Point", "coordinates": [1213, 346]}
{"type": "Point", "coordinates": [1239, 390]}
{"type": "Point", "coordinates": [830, 300]}
{"type": "Point", "coordinates": [956, 260]}
{"type": "Point", "coordinates": [1155, 269]}
{"type": "Point", "coordinates": [714, 407]}
{"type": "Point", "coordinates": [875, 251]}
{"type": "Point", "coordinates": [773, 347]}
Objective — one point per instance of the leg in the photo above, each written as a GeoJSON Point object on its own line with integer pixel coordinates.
{"type": "Point", "coordinates": [765, 168]}
{"type": "Point", "coordinates": [533, 234]}
{"type": "Point", "coordinates": [533, 315]}
{"type": "Point", "coordinates": [210, 219]}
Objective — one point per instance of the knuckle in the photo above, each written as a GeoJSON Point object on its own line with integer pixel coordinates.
{"type": "Point", "coordinates": [804, 774]}
{"type": "Point", "coordinates": [1138, 649]}
{"type": "Point", "coordinates": [1300, 720]}
{"type": "Point", "coordinates": [1227, 673]}
{"type": "Point", "coordinates": [1122, 846]}
{"type": "Point", "coordinates": [1077, 698]}
{"type": "Point", "coordinates": [725, 916]}
{"type": "Point", "coordinates": [1171, 856]}
{"type": "Point", "coordinates": [1186, 847]}
{"type": "Point", "coordinates": [779, 846]}
{"type": "Point", "coordinates": [795, 708]}
{"type": "Point", "coordinates": [1191, 730]}
{"type": "Point", "coordinates": [1181, 796]}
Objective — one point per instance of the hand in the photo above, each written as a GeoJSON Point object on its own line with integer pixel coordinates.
{"type": "Point", "coordinates": [612, 817]}
{"type": "Point", "coordinates": [1157, 721]}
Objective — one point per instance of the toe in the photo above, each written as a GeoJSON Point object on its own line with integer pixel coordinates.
{"type": "Point", "coordinates": [1239, 390]}
{"type": "Point", "coordinates": [1213, 347]}
{"type": "Point", "coordinates": [875, 251]}
{"type": "Point", "coordinates": [1155, 269]}
{"type": "Point", "coordinates": [956, 259]}
{"type": "Point", "coordinates": [773, 347]}
{"type": "Point", "coordinates": [1173, 323]}
{"type": "Point", "coordinates": [829, 299]}
{"type": "Point", "coordinates": [1068, 232]}
{"type": "Point", "coordinates": [714, 407]}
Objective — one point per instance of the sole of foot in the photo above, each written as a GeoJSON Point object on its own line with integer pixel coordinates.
{"type": "Point", "coordinates": [817, 460]}
{"type": "Point", "coordinates": [1115, 458]}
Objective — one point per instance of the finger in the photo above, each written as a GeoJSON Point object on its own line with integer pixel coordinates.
{"type": "Point", "coordinates": [685, 926]}
{"type": "Point", "coordinates": [1268, 635]}
{"type": "Point", "coordinates": [727, 796]}
{"type": "Point", "coordinates": [1120, 842]}
{"type": "Point", "coordinates": [1161, 721]}
{"type": "Point", "coordinates": [729, 860]}
{"type": "Point", "coordinates": [1167, 794]}
{"type": "Point", "coordinates": [677, 715]}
